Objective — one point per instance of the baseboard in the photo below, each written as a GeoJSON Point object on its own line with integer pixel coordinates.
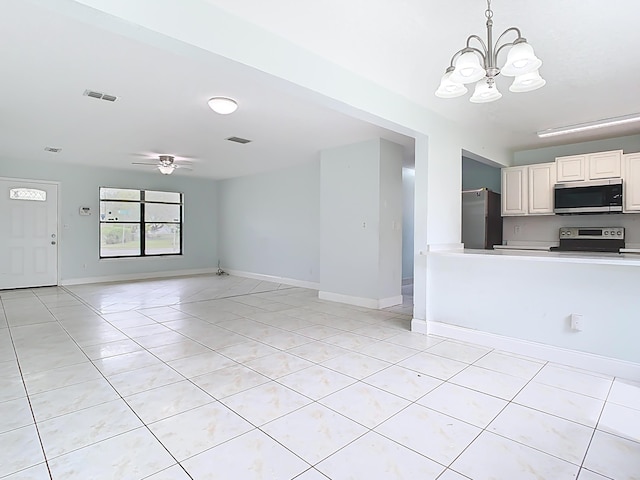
{"type": "Point", "coordinates": [272, 278]}
{"type": "Point", "coordinates": [419, 326]}
{"type": "Point", "coordinates": [138, 276]}
{"type": "Point", "coordinates": [573, 358]}
{"type": "Point", "coordinates": [361, 301]}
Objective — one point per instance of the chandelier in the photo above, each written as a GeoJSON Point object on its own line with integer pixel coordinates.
{"type": "Point", "coordinates": [480, 64]}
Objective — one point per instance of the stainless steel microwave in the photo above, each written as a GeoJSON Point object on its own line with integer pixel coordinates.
{"type": "Point", "coordinates": [601, 196]}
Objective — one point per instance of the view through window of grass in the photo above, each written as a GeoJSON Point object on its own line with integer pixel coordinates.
{"type": "Point", "coordinates": [139, 223]}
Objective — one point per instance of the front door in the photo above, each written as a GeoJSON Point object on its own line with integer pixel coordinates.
{"type": "Point", "coordinates": [28, 234]}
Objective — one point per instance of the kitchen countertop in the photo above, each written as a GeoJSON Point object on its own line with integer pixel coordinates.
{"type": "Point", "coordinates": [547, 256]}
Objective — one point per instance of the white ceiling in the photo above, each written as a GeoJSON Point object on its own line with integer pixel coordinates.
{"type": "Point", "coordinates": [49, 59]}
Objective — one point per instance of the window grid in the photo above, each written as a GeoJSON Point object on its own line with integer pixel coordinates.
{"type": "Point", "coordinates": [142, 224]}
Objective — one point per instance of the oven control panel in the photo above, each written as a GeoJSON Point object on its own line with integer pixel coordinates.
{"type": "Point", "coordinates": [592, 233]}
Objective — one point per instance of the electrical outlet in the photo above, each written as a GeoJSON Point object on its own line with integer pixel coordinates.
{"type": "Point", "coordinates": [516, 229]}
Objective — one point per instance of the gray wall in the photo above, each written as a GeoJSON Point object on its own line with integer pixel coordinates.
{"type": "Point", "coordinates": [629, 144]}
{"type": "Point", "coordinates": [79, 235]}
{"type": "Point", "coordinates": [361, 221]}
{"type": "Point", "coordinates": [408, 198]}
{"type": "Point", "coordinates": [269, 223]}
{"type": "Point", "coordinates": [479, 175]}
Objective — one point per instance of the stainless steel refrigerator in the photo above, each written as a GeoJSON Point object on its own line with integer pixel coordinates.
{"type": "Point", "coordinates": [481, 219]}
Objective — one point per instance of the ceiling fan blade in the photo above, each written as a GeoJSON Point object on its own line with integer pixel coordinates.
{"type": "Point", "coordinates": [144, 163]}
{"type": "Point", "coordinates": [183, 166]}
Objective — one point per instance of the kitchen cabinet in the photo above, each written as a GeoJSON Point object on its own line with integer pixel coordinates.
{"type": "Point", "coordinates": [542, 178]}
{"type": "Point", "coordinates": [605, 165]}
{"type": "Point", "coordinates": [515, 191]}
{"type": "Point", "coordinates": [632, 182]}
{"type": "Point", "coordinates": [528, 190]}
{"type": "Point", "coordinates": [590, 166]}
{"type": "Point", "coordinates": [572, 168]}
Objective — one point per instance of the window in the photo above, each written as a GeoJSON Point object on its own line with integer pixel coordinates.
{"type": "Point", "coordinates": [140, 223]}
{"type": "Point", "coordinates": [28, 194]}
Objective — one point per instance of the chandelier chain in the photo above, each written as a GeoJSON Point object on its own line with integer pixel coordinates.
{"type": "Point", "coordinates": [488, 12]}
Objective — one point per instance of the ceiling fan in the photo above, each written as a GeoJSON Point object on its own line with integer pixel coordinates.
{"type": "Point", "coordinates": [166, 164]}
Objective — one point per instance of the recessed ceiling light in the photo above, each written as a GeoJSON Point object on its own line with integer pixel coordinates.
{"type": "Point", "coordinates": [223, 105]}
{"type": "Point", "coordinates": [581, 127]}
{"type": "Point", "coordinates": [52, 149]}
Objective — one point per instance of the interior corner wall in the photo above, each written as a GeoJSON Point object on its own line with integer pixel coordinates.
{"type": "Point", "coordinates": [408, 199]}
{"type": "Point", "coordinates": [79, 236]}
{"type": "Point", "coordinates": [269, 223]}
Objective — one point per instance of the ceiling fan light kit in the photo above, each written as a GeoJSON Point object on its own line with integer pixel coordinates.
{"type": "Point", "coordinates": [480, 64]}
{"type": "Point", "coordinates": [223, 105]}
{"type": "Point", "coordinates": [166, 164]}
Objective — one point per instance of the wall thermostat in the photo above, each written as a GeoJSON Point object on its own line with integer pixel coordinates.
{"type": "Point", "coordinates": [85, 210]}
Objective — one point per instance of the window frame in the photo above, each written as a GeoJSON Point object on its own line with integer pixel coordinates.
{"type": "Point", "coordinates": [142, 223]}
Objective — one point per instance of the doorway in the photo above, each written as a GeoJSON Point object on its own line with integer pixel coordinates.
{"type": "Point", "coordinates": [28, 234]}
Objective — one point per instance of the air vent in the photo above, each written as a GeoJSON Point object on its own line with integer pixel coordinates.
{"type": "Point", "coordinates": [52, 149]}
{"type": "Point", "coordinates": [238, 140]}
{"type": "Point", "coordinates": [101, 96]}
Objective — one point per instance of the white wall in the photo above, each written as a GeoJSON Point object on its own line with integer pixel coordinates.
{"type": "Point", "coordinates": [408, 199]}
{"type": "Point", "coordinates": [79, 236]}
{"type": "Point", "coordinates": [532, 299]}
{"type": "Point", "coordinates": [270, 223]}
{"type": "Point", "coordinates": [629, 144]}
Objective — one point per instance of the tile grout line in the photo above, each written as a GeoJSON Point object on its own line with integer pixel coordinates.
{"type": "Point", "coordinates": [27, 395]}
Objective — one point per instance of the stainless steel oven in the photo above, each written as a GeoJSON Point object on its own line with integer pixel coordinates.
{"type": "Point", "coordinates": [602, 196]}
{"type": "Point", "coordinates": [591, 239]}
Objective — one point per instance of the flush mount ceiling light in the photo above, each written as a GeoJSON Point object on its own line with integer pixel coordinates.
{"type": "Point", "coordinates": [581, 127]}
{"type": "Point", "coordinates": [473, 64]}
{"type": "Point", "coordinates": [223, 105]}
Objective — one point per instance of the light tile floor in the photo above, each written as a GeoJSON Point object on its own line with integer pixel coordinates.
{"type": "Point", "coordinates": [227, 378]}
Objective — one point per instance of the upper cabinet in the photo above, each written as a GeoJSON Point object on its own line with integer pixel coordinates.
{"type": "Point", "coordinates": [605, 165]}
{"type": "Point", "coordinates": [542, 178]}
{"type": "Point", "coordinates": [632, 182]}
{"type": "Point", "coordinates": [514, 195]}
{"type": "Point", "coordinates": [572, 168]}
{"type": "Point", "coordinates": [592, 166]}
{"type": "Point", "coordinates": [528, 190]}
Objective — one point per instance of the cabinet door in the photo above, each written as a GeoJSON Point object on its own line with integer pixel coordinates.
{"type": "Point", "coordinates": [571, 169]}
{"type": "Point", "coordinates": [605, 164]}
{"type": "Point", "coordinates": [542, 178]}
{"type": "Point", "coordinates": [514, 191]}
{"type": "Point", "coordinates": [632, 182]}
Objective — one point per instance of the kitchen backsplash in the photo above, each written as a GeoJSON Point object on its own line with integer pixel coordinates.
{"type": "Point", "coordinates": [544, 228]}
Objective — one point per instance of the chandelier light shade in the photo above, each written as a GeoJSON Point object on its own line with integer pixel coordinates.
{"type": "Point", "coordinates": [166, 169]}
{"type": "Point", "coordinates": [485, 93]}
{"type": "Point", "coordinates": [223, 105]}
{"type": "Point", "coordinates": [478, 62]}
{"type": "Point", "coordinates": [527, 82]}
{"type": "Point", "coordinates": [448, 88]}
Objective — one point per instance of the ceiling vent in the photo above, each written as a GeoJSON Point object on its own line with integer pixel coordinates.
{"type": "Point", "coordinates": [52, 149]}
{"type": "Point", "coordinates": [101, 96]}
{"type": "Point", "coordinates": [238, 140]}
